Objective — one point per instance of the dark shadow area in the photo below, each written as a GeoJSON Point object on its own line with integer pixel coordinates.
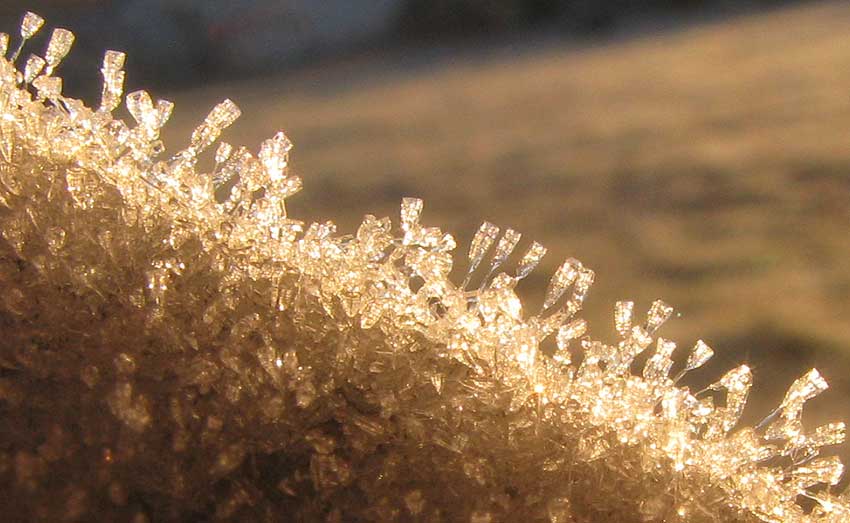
{"type": "Point", "coordinates": [189, 42]}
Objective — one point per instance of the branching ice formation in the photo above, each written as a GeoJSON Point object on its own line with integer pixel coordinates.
{"type": "Point", "coordinates": [167, 355]}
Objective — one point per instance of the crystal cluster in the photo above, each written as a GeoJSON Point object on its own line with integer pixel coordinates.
{"type": "Point", "coordinates": [176, 347]}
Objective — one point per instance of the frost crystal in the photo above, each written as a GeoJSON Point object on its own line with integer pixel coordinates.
{"type": "Point", "coordinates": [171, 352]}
{"type": "Point", "coordinates": [113, 80]}
{"type": "Point", "coordinates": [699, 356]}
{"type": "Point", "coordinates": [33, 67]}
{"type": "Point", "coordinates": [58, 47]}
{"type": "Point", "coordinates": [530, 260]}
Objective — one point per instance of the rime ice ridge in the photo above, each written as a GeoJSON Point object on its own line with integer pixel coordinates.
{"type": "Point", "coordinates": [168, 355]}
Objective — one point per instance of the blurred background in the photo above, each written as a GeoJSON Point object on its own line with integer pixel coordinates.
{"type": "Point", "coordinates": [692, 150]}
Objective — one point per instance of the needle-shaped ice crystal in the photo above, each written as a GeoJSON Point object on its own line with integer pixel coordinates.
{"type": "Point", "coordinates": [274, 155]}
{"type": "Point", "coordinates": [567, 333]}
{"type": "Point", "coordinates": [164, 108]}
{"type": "Point", "coordinates": [737, 383]}
{"type": "Point", "coordinates": [700, 354]}
{"type": "Point", "coordinates": [826, 470]}
{"type": "Point", "coordinates": [48, 87]}
{"type": "Point", "coordinates": [411, 210]}
{"type": "Point", "coordinates": [804, 389]}
{"type": "Point", "coordinates": [113, 80]}
{"type": "Point", "coordinates": [223, 152]}
{"type": "Point", "coordinates": [562, 279]}
{"type": "Point", "coordinates": [113, 61]}
{"type": "Point", "coordinates": [504, 248]}
{"type": "Point", "coordinates": [30, 25]}
{"type": "Point", "coordinates": [826, 435]}
{"type": "Point", "coordinates": [790, 411]}
{"type": "Point", "coordinates": [223, 115]}
{"type": "Point", "coordinates": [140, 106]}
{"type": "Point", "coordinates": [481, 243]}
{"type": "Point", "coordinates": [33, 67]}
{"type": "Point", "coordinates": [658, 313]}
{"type": "Point", "coordinates": [698, 357]}
{"type": "Point", "coordinates": [220, 118]}
{"type": "Point", "coordinates": [582, 285]}
{"type": "Point", "coordinates": [530, 260]}
{"type": "Point", "coordinates": [658, 366]}
{"type": "Point", "coordinates": [623, 311]}
{"type": "Point", "coordinates": [58, 48]}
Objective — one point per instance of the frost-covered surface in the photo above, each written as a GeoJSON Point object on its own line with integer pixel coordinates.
{"type": "Point", "coordinates": [170, 355]}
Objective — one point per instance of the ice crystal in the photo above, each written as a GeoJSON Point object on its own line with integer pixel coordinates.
{"type": "Point", "coordinates": [58, 47]}
{"type": "Point", "coordinates": [177, 347]}
{"type": "Point", "coordinates": [530, 260]}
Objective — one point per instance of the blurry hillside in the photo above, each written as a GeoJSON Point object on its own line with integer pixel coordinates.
{"type": "Point", "coordinates": [707, 164]}
{"type": "Point", "coordinates": [184, 41]}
